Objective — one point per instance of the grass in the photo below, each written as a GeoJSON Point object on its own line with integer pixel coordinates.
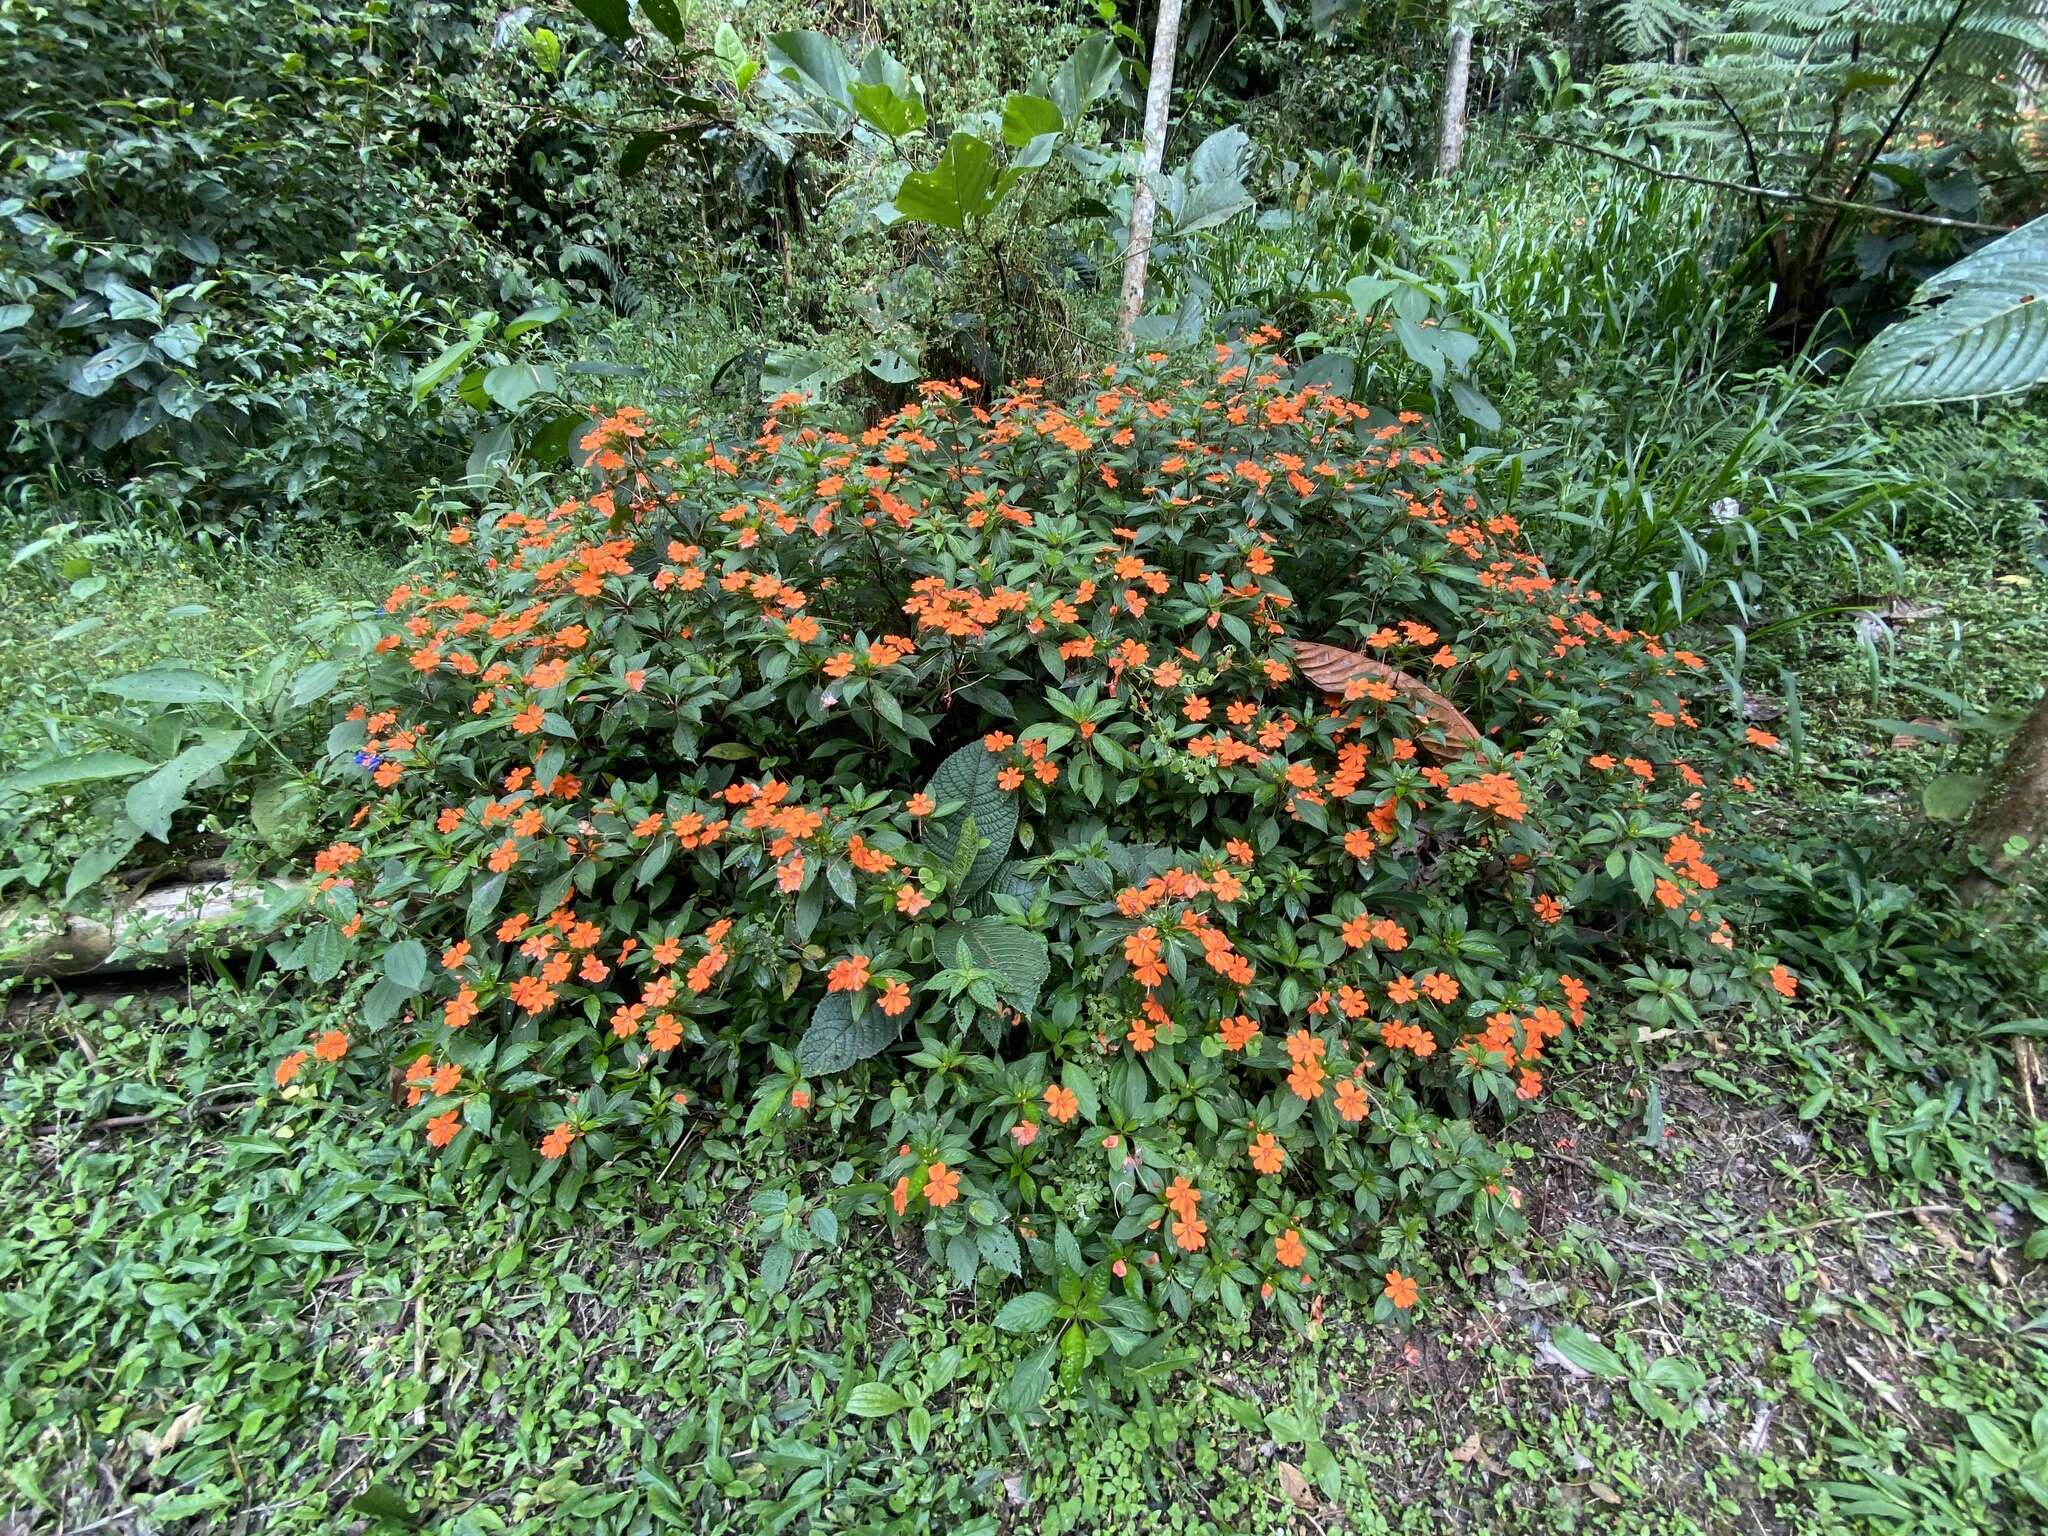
{"type": "Point", "coordinates": [254, 1312]}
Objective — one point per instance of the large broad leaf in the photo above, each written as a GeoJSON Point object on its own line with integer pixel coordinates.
{"type": "Point", "coordinates": [511, 385]}
{"type": "Point", "coordinates": [667, 18]}
{"type": "Point", "coordinates": [608, 16]}
{"type": "Point", "coordinates": [968, 778]}
{"type": "Point", "coordinates": [885, 96]}
{"type": "Point", "coordinates": [841, 1034]}
{"type": "Point", "coordinates": [1334, 372]}
{"type": "Point", "coordinates": [1980, 329]}
{"type": "Point", "coordinates": [1017, 955]}
{"type": "Point", "coordinates": [1086, 76]}
{"type": "Point", "coordinates": [1223, 156]}
{"type": "Point", "coordinates": [814, 63]}
{"type": "Point", "coordinates": [79, 768]}
{"type": "Point", "coordinates": [959, 188]}
{"type": "Point", "coordinates": [1027, 117]}
{"type": "Point", "coordinates": [153, 801]}
{"type": "Point", "coordinates": [170, 685]}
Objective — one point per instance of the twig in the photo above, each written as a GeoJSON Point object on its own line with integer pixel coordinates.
{"type": "Point", "coordinates": [1771, 194]}
{"type": "Point", "coordinates": [122, 1122]}
{"type": "Point", "coordinates": [1860, 1216]}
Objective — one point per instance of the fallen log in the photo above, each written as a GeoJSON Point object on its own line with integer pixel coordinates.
{"type": "Point", "coordinates": [158, 929]}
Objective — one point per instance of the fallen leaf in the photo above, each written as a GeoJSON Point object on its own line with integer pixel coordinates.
{"type": "Point", "coordinates": [1603, 1493]}
{"type": "Point", "coordinates": [1469, 1449]}
{"type": "Point", "coordinates": [1332, 669]}
{"type": "Point", "coordinates": [160, 1446]}
{"type": "Point", "coordinates": [1294, 1485]}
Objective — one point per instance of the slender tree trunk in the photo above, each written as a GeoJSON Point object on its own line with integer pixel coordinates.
{"type": "Point", "coordinates": [1450, 138]}
{"type": "Point", "coordinates": [2015, 806]}
{"type": "Point", "coordinates": [1158, 96]}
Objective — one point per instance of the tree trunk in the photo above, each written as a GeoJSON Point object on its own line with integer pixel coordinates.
{"type": "Point", "coordinates": [1158, 97]}
{"type": "Point", "coordinates": [1450, 138]}
{"type": "Point", "coordinates": [2014, 807]}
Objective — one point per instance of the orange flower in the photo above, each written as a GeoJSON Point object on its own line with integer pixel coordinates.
{"type": "Point", "coordinates": [1783, 982]}
{"type": "Point", "coordinates": [910, 900]}
{"type": "Point", "coordinates": [849, 975]}
{"type": "Point", "coordinates": [442, 1128]}
{"type": "Point", "coordinates": [454, 955]}
{"type": "Point", "coordinates": [895, 998]}
{"type": "Point", "coordinates": [941, 1186]}
{"type": "Point", "coordinates": [922, 804]}
{"type": "Point", "coordinates": [1267, 1154]}
{"type": "Point", "coordinates": [1061, 1104]}
{"type": "Point", "coordinates": [900, 1195]}
{"type": "Point", "coordinates": [1352, 1102]}
{"type": "Point", "coordinates": [331, 1046]}
{"type": "Point", "coordinates": [558, 1141]}
{"type": "Point", "coordinates": [1289, 1249]}
{"type": "Point", "coordinates": [1400, 1289]}
{"type": "Point", "coordinates": [289, 1067]}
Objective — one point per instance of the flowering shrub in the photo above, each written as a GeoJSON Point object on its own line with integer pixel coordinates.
{"type": "Point", "coordinates": [955, 788]}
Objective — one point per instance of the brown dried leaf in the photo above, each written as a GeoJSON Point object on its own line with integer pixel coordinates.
{"type": "Point", "coordinates": [1294, 1485]}
{"type": "Point", "coordinates": [1333, 669]}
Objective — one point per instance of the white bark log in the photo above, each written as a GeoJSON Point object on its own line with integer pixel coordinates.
{"type": "Point", "coordinates": [205, 914]}
{"type": "Point", "coordinates": [1158, 97]}
{"type": "Point", "coordinates": [1450, 138]}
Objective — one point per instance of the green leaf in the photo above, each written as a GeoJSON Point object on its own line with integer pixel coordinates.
{"type": "Point", "coordinates": [405, 963]}
{"type": "Point", "coordinates": [1029, 1382]}
{"type": "Point", "coordinates": [102, 860]}
{"type": "Point", "coordinates": [999, 1250]}
{"type": "Point", "coordinates": [153, 801]}
{"type": "Point", "coordinates": [1026, 117]}
{"type": "Point", "coordinates": [874, 1400]}
{"type": "Point", "coordinates": [79, 768]}
{"type": "Point", "coordinates": [969, 777]}
{"type": "Point", "coordinates": [1018, 956]}
{"type": "Point", "coordinates": [884, 110]}
{"type": "Point", "coordinates": [794, 373]}
{"type": "Point", "coordinates": [838, 1036]}
{"type": "Point", "coordinates": [885, 96]}
{"type": "Point", "coordinates": [667, 19]}
{"type": "Point", "coordinates": [812, 62]}
{"type": "Point", "coordinates": [1027, 1313]}
{"type": "Point", "coordinates": [608, 16]}
{"type": "Point", "coordinates": [1980, 328]}
{"type": "Point", "coordinates": [957, 190]}
{"type": "Point", "coordinates": [1587, 1353]}
{"type": "Point", "coordinates": [452, 357]}
{"type": "Point", "coordinates": [381, 1501]}
{"type": "Point", "coordinates": [1949, 796]}
{"type": "Point", "coordinates": [511, 385]}
{"type": "Point", "coordinates": [734, 62]}
{"type": "Point", "coordinates": [1086, 76]}
{"type": "Point", "coordinates": [282, 812]}
{"type": "Point", "coordinates": [171, 685]}
{"type": "Point", "coordinates": [535, 319]}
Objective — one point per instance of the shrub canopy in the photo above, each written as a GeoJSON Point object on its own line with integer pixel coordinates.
{"type": "Point", "coordinates": [954, 788]}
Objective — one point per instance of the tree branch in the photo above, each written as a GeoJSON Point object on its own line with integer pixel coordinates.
{"type": "Point", "coordinates": [1771, 194]}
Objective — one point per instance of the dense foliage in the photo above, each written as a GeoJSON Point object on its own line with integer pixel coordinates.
{"type": "Point", "coordinates": [223, 254]}
{"type": "Point", "coordinates": [986, 728]}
